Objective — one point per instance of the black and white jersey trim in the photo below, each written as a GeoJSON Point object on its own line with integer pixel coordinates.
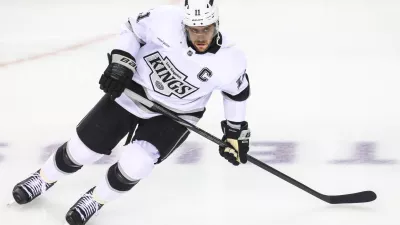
{"type": "Point", "coordinates": [243, 95]}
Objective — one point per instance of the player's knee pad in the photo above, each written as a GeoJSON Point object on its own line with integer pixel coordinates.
{"type": "Point", "coordinates": [118, 181]}
{"type": "Point", "coordinates": [136, 162]}
{"type": "Point", "coordinates": [64, 162]}
{"type": "Point", "coordinates": [72, 155]}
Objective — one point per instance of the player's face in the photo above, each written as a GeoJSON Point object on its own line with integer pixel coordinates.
{"type": "Point", "coordinates": [201, 37]}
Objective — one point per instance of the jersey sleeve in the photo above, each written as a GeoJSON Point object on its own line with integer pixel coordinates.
{"type": "Point", "coordinates": [234, 98]}
{"type": "Point", "coordinates": [239, 89]}
{"type": "Point", "coordinates": [236, 85]}
{"type": "Point", "coordinates": [134, 33]}
{"type": "Point", "coordinates": [236, 91]}
{"type": "Point", "coordinates": [146, 27]}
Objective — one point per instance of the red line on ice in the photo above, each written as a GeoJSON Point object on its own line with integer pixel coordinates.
{"type": "Point", "coordinates": [52, 53]}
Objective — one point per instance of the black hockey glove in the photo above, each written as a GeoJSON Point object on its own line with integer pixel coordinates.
{"type": "Point", "coordinates": [237, 135]}
{"type": "Point", "coordinates": [118, 73]}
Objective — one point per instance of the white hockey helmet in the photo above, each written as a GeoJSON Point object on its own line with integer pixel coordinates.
{"type": "Point", "coordinates": [200, 13]}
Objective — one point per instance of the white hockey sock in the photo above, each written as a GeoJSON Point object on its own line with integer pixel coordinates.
{"type": "Point", "coordinates": [104, 193]}
{"type": "Point", "coordinates": [76, 152]}
{"type": "Point", "coordinates": [49, 171]}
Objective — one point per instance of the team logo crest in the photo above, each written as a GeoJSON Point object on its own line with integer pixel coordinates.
{"type": "Point", "coordinates": [166, 78]}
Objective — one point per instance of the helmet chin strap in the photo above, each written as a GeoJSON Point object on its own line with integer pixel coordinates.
{"type": "Point", "coordinates": [218, 40]}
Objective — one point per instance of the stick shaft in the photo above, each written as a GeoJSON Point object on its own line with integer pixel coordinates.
{"type": "Point", "coordinates": [156, 107]}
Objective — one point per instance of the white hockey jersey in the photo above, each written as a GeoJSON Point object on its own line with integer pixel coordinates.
{"type": "Point", "coordinates": [171, 73]}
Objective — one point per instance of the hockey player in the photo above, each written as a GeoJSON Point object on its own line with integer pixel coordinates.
{"type": "Point", "coordinates": [171, 55]}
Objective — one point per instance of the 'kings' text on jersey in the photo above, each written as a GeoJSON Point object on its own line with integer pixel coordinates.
{"type": "Point", "coordinates": [166, 78]}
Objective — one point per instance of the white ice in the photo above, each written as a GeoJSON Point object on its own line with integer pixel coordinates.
{"type": "Point", "coordinates": [324, 74]}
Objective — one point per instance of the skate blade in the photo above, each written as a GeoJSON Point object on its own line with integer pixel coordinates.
{"type": "Point", "coordinates": [10, 203]}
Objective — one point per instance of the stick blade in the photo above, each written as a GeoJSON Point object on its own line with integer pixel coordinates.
{"type": "Point", "coordinates": [359, 197]}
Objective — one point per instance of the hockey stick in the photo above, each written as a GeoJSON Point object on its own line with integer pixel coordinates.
{"type": "Point", "coordinates": [359, 197]}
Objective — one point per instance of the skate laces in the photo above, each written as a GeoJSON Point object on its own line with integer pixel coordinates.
{"type": "Point", "coordinates": [35, 185]}
{"type": "Point", "coordinates": [87, 206]}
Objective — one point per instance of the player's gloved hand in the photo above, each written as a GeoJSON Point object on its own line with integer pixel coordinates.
{"type": "Point", "coordinates": [237, 135]}
{"type": "Point", "coordinates": [118, 73]}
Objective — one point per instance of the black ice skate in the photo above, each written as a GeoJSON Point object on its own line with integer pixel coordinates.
{"type": "Point", "coordinates": [30, 188]}
{"type": "Point", "coordinates": [83, 210]}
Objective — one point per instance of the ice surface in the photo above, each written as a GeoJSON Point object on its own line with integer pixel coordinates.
{"type": "Point", "coordinates": [324, 74]}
